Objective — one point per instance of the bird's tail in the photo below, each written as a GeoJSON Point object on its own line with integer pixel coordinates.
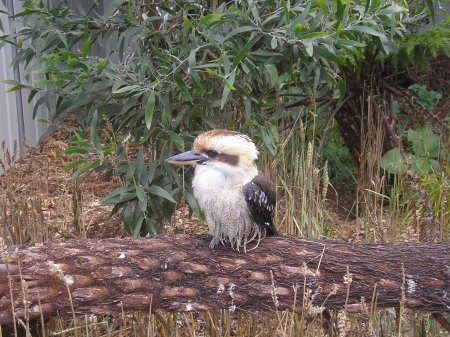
{"type": "Point", "coordinates": [271, 230]}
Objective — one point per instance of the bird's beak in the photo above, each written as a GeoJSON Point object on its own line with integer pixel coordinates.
{"type": "Point", "coordinates": [187, 158]}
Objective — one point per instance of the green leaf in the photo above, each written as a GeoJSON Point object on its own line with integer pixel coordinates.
{"type": "Point", "coordinates": [73, 150]}
{"type": "Point", "coordinates": [226, 89]}
{"type": "Point", "coordinates": [238, 30]}
{"type": "Point", "coordinates": [350, 43]}
{"type": "Point", "coordinates": [140, 193]}
{"type": "Point", "coordinates": [4, 38]}
{"type": "Point", "coordinates": [24, 13]}
{"type": "Point", "coordinates": [132, 32]}
{"type": "Point", "coordinates": [272, 73]}
{"type": "Point", "coordinates": [140, 166]}
{"type": "Point", "coordinates": [123, 193]}
{"type": "Point", "coordinates": [94, 133]}
{"type": "Point", "coordinates": [301, 19]}
{"type": "Point", "coordinates": [102, 63]}
{"type": "Point", "coordinates": [14, 88]}
{"type": "Point", "coordinates": [389, 46]}
{"type": "Point", "coordinates": [269, 141]}
{"type": "Point", "coordinates": [160, 192]}
{"type": "Point", "coordinates": [149, 110]}
{"type": "Point", "coordinates": [309, 47]}
{"type": "Point", "coordinates": [323, 5]}
{"type": "Point", "coordinates": [367, 30]}
{"type": "Point", "coordinates": [229, 85]}
{"type": "Point", "coordinates": [127, 218]}
{"type": "Point", "coordinates": [424, 142]}
{"type": "Point", "coordinates": [63, 38]}
{"type": "Point", "coordinates": [79, 143]}
{"type": "Point", "coordinates": [106, 150]}
{"type": "Point", "coordinates": [176, 138]}
{"type": "Point", "coordinates": [430, 5]}
{"type": "Point", "coordinates": [339, 10]}
{"type": "Point", "coordinates": [183, 87]}
{"type": "Point", "coordinates": [130, 11]}
{"type": "Point", "coordinates": [208, 18]}
{"type": "Point", "coordinates": [392, 10]}
{"type": "Point", "coordinates": [151, 172]}
{"type": "Point", "coordinates": [273, 43]}
{"type": "Point", "coordinates": [193, 203]}
{"type": "Point", "coordinates": [138, 218]}
{"type": "Point", "coordinates": [87, 46]}
{"type": "Point", "coordinates": [121, 47]}
{"type": "Point", "coordinates": [74, 164]}
{"type": "Point", "coordinates": [127, 88]}
{"type": "Point", "coordinates": [65, 77]}
{"type": "Point", "coordinates": [323, 52]}
{"type": "Point", "coordinates": [80, 139]}
{"type": "Point", "coordinates": [194, 73]}
{"type": "Point", "coordinates": [393, 162]}
{"type": "Point", "coordinates": [186, 21]}
{"type": "Point", "coordinates": [112, 6]}
{"type": "Point", "coordinates": [33, 93]}
{"type": "Point", "coordinates": [12, 82]}
{"type": "Point", "coordinates": [421, 164]}
{"type": "Point", "coordinates": [313, 34]}
{"type": "Point", "coordinates": [241, 54]}
{"type": "Point", "coordinates": [84, 169]}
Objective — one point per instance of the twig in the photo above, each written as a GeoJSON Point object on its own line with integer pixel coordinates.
{"type": "Point", "coordinates": [304, 101]}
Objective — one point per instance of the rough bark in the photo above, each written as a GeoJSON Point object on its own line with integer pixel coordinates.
{"type": "Point", "coordinates": [180, 273]}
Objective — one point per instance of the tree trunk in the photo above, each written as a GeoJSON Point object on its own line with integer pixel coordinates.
{"type": "Point", "coordinates": [180, 273]}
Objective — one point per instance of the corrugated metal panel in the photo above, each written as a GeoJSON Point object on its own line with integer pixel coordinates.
{"type": "Point", "coordinates": [17, 124]}
{"type": "Point", "coordinates": [9, 125]}
{"type": "Point", "coordinates": [32, 129]}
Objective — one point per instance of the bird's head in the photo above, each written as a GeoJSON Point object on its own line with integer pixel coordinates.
{"type": "Point", "coordinates": [222, 149]}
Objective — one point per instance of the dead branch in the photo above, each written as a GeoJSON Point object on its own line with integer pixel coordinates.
{"type": "Point", "coordinates": [180, 273]}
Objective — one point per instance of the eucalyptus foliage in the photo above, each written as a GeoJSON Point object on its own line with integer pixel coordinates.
{"type": "Point", "coordinates": [144, 76]}
{"type": "Point", "coordinates": [418, 48]}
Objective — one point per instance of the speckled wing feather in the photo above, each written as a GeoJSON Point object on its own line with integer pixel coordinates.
{"type": "Point", "coordinates": [260, 196]}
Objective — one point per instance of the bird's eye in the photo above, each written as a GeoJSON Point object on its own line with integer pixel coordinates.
{"type": "Point", "coordinates": [212, 153]}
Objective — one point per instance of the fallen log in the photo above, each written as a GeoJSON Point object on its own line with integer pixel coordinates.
{"type": "Point", "coordinates": [180, 273]}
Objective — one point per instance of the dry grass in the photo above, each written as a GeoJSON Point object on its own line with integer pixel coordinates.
{"type": "Point", "coordinates": [301, 185]}
{"type": "Point", "coordinates": [37, 202]}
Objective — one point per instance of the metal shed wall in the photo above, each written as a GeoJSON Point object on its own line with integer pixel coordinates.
{"type": "Point", "coordinates": [16, 122]}
{"type": "Point", "coordinates": [9, 125]}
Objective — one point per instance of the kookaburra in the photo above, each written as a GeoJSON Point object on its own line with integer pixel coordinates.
{"type": "Point", "coordinates": [238, 200]}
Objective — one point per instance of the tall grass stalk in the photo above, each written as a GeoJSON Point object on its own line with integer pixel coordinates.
{"type": "Point", "coordinates": [371, 191]}
{"type": "Point", "coordinates": [22, 216]}
{"type": "Point", "coordinates": [301, 185]}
